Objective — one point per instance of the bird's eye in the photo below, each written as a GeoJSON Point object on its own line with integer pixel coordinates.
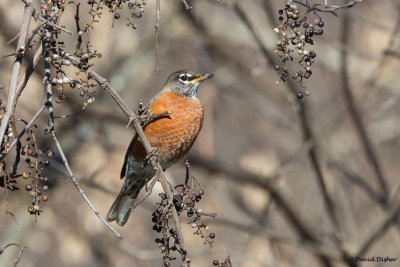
{"type": "Point", "coordinates": [183, 77]}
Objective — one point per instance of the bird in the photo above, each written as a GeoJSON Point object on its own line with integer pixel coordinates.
{"type": "Point", "coordinates": [171, 135]}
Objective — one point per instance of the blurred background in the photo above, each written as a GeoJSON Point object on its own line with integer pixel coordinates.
{"type": "Point", "coordinates": [294, 182]}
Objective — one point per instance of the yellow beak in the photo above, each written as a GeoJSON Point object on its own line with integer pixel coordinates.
{"type": "Point", "coordinates": [202, 77]}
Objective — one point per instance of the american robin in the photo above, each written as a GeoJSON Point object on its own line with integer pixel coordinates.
{"type": "Point", "coordinates": [172, 135]}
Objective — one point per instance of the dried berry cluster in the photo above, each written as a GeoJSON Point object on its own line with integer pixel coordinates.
{"type": "Point", "coordinates": [60, 60]}
{"type": "Point", "coordinates": [297, 30]}
{"type": "Point", "coordinates": [135, 7]}
{"type": "Point", "coordinates": [36, 160]}
{"type": "Point", "coordinates": [64, 70]}
{"type": "Point", "coordinates": [184, 202]}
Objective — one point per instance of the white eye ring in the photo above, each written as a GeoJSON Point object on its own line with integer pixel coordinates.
{"type": "Point", "coordinates": [183, 78]}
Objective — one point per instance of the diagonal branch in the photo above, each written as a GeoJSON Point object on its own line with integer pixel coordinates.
{"type": "Point", "coordinates": [16, 68]}
{"type": "Point", "coordinates": [75, 182]}
{"type": "Point", "coordinates": [327, 8]}
{"type": "Point", "coordinates": [21, 250]}
{"type": "Point", "coordinates": [27, 126]}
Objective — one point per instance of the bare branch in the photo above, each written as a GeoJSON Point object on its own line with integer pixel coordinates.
{"type": "Point", "coordinates": [21, 250]}
{"type": "Point", "coordinates": [28, 125]}
{"type": "Point", "coordinates": [29, 70]}
{"type": "Point", "coordinates": [48, 22]}
{"type": "Point", "coordinates": [157, 26]}
{"type": "Point", "coordinates": [29, 9]}
{"type": "Point", "coordinates": [75, 182]}
{"type": "Point", "coordinates": [327, 8]}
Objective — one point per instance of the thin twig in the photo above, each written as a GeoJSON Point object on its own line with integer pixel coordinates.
{"type": "Point", "coordinates": [8, 55]}
{"type": "Point", "coordinates": [28, 125]}
{"type": "Point", "coordinates": [187, 6]}
{"type": "Point", "coordinates": [21, 250]}
{"type": "Point", "coordinates": [29, 70]}
{"type": "Point", "coordinates": [75, 182]}
{"type": "Point", "coordinates": [157, 30]}
{"type": "Point", "coordinates": [16, 68]}
{"type": "Point", "coordinates": [16, 261]}
{"type": "Point", "coordinates": [50, 23]}
{"type": "Point", "coordinates": [327, 8]}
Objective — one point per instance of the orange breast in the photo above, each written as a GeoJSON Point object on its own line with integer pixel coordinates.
{"type": "Point", "coordinates": [172, 135]}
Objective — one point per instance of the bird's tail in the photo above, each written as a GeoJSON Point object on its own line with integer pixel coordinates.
{"type": "Point", "coordinates": [121, 208]}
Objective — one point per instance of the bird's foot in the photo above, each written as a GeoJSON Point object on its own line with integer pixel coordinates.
{"type": "Point", "coordinates": [145, 117]}
{"type": "Point", "coordinates": [150, 154]}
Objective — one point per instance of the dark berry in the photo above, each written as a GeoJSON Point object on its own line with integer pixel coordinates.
{"type": "Point", "coordinates": [299, 95]}
{"type": "Point", "coordinates": [190, 213]}
{"type": "Point", "coordinates": [320, 31]}
{"type": "Point", "coordinates": [212, 235]}
{"type": "Point", "coordinates": [215, 262]}
{"type": "Point", "coordinates": [280, 12]}
{"type": "Point", "coordinates": [154, 219]}
{"type": "Point", "coordinates": [305, 25]}
{"type": "Point", "coordinates": [117, 15]}
{"type": "Point", "coordinates": [280, 18]}
{"type": "Point", "coordinates": [311, 33]}
{"type": "Point", "coordinates": [28, 187]}
{"type": "Point", "coordinates": [321, 24]}
{"type": "Point", "coordinates": [46, 163]}
{"type": "Point", "coordinates": [297, 23]}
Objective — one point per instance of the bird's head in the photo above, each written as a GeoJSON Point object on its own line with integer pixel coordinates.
{"type": "Point", "coordinates": [184, 82]}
